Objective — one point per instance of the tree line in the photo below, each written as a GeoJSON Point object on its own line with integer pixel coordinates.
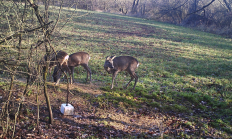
{"type": "Point", "coordinates": [211, 15]}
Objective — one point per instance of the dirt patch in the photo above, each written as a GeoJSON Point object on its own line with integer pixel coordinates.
{"type": "Point", "coordinates": [92, 119]}
{"type": "Point", "coordinates": [88, 119]}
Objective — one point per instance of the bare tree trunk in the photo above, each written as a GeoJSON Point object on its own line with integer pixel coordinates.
{"type": "Point", "coordinates": [46, 39]}
{"type": "Point", "coordinates": [228, 6]}
{"type": "Point", "coordinates": [142, 10]}
{"type": "Point", "coordinates": [5, 108]}
{"type": "Point", "coordinates": [193, 6]}
{"type": "Point", "coordinates": [46, 15]}
{"type": "Point", "coordinates": [134, 6]}
{"type": "Point", "coordinates": [193, 12]}
{"type": "Point", "coordinates": [228, 21]}
{"type": "Point", "coordinates": [37, 96]}
{"type": "Point", "coordinates": [45, 71]}
{"type": "Point", "coordinates": [37, 102]}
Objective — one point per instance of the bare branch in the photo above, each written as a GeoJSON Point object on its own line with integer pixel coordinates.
{"type": "Point", "coordinates": [25, 31]}
{"type": "Point", "coordinates": [227, 5]}
{"type": "Point", "coordinates": [201, 8]}
{"type": "Point", "coordinates": [39, 17]}
{"type": "Point", "coordinates": [173, 9]}
{"type": "Point", "coordinates": [57, 17]}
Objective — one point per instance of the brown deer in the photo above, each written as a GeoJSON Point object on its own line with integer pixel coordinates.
{"type": "Point", "coordinates": [75, 59]}
{"type": "Point", "coordinates": [57, 58]}
{"type": "Point", "coordinates": [114, 64]}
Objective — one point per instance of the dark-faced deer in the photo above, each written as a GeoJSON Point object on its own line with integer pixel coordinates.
{"type": "Point", "coordinates": [114, 64]}
{"type": "Point", "coordinates": [76, 59]}
{"type": "Point", "coordinates": [57, 58]}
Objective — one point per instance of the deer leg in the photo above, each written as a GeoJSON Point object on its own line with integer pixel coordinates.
{"type": "Point", "coordinates": [133, 75]}
{"type": "Point", "coordinates": [136, 79]}
{"type": "Point", "coordinates": [62, 77]}
{"type": "Point", "coordinates": [129, 82]}
{"type": "Point", "coordinates": [71, 76]}
{"type": "Point", "coordinates": [113, 78]}
{"type": "Point", "coordinates": [116, 80]}
{"type": "Point", "coordinates": [68, 72]}
{"type": "Point", "coordinates": [57, 82]}
{"type": "Point", "coordinates": [88, 72]}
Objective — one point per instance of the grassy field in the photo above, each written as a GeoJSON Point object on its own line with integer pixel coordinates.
{"type": "Point", "coordinates": [182, 72]}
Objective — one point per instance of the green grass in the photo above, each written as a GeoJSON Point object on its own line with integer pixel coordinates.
{"type": "Point", "coordinates": [181, 70]}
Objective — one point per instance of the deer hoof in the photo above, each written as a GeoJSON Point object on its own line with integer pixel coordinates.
{"type": "Point", "coordinates": [125, 87]}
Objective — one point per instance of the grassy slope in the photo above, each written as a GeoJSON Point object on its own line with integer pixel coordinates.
{"type": "Point", "coordinates": [181, 70]}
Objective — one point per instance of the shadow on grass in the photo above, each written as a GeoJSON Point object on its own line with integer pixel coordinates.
{"type": "Point", "coordinates": [142, 100]}
{"type": "Point", "coordinates": [112, 24]}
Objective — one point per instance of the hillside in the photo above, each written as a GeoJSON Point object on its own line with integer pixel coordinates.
{"type": "Point", "coordinates": [184, 88]}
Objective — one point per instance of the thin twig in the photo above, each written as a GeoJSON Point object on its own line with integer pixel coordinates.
{"type": "Point", "coordinates": [24, 31]}
{"type": "Point", "coordinates": [201, 8]}
{"type": "Point", "coordinates": [172, 9]}
{"type": "Point", "coordinates": [57, 17]}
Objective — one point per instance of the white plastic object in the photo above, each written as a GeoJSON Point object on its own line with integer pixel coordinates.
{"type": "Point", "coordinates": [67, 109]}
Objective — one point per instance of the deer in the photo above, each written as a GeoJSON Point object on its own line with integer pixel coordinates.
{"type": "Point", "coordinates": [75, 59]}
{"type": "Point", "coordinates": [113, 65]}
{"type": "Point", "coordinates": [57, 58]}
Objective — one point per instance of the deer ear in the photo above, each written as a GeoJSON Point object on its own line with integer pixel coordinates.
{"type": "Point", "coordinates": [113, 57]}
{"type": "Point", "coordinates": [107, 58]}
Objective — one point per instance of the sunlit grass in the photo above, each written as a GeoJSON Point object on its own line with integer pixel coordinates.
{"type": "Point", "coordinates": [177, 65]}
{"type": "Point", "coordinates": [181, 70]}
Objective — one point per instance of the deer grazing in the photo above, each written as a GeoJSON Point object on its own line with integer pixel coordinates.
{"type": "Point", "coordinates": [114, 64]}
{"type": "Point", "coordinates": [75, 59]}
{"type": "Point", "coordinates": [57, 58]}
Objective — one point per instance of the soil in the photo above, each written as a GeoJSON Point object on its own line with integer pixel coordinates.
{"type": "Point", "coordinates": [93, 119]}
